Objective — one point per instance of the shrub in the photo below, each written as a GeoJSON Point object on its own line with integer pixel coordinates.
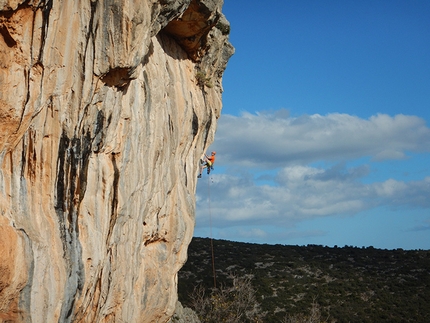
{"type": "Point", "coordinates": [228, 304]}
{"type": "Point", "coordinates": [203, 80]}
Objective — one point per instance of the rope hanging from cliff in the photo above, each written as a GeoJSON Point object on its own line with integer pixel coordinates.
{"type": "Point", "coordinates": [210, 225]}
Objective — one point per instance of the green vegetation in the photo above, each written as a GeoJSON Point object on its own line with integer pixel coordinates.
{"type": "Point", "coordinates": [203, 80]}
{"type": "Point", "coordinates": [345, 284]}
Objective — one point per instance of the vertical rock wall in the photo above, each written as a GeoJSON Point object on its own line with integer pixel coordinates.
{"type": "Point", "coordinates": [105, 108]}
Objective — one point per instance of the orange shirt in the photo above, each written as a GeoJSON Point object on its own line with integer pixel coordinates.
{"type": "Point", "coordinates": [211, 159]}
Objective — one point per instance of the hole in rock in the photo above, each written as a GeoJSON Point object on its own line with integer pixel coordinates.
{"type": "Point", "coordinates": [118, 77]}
{"type": "Point", "coordinates": [8, 39]}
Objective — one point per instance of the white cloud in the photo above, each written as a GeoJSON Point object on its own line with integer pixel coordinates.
{"type": "Point", "coordinates": [271, 140]}
{"type": "Point", "coordinates": [303, 193]}
{"type": "Point", "coordinates": [390, 188]}
{"type": "Point", "coordinates": [266, 179]}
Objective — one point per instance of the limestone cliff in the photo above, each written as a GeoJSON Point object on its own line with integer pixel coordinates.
{"type": "Point", "coordinates": [105, 108]}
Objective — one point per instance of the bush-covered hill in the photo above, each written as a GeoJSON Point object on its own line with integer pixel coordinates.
{"type": "Point", "coordinates": [350, 284]}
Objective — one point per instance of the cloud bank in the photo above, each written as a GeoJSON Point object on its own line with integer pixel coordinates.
{"type": "Point", "coordinates": [277, 170]}
{"type": "Point", "coordinates": [271, 140]}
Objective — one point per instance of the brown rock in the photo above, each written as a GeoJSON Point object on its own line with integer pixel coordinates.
{"type": "Point", "coordinates": [102, 123]}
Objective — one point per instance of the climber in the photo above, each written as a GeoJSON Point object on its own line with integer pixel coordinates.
{"type": "Point", "coordinates": [207, 162]}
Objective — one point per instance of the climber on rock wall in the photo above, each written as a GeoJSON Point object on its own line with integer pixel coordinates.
{"type": "Point", "coordinates": [207, 162]}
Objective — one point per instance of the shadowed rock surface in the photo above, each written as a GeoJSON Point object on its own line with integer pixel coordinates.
{"type": "Point", "coordinates": [102, 124]}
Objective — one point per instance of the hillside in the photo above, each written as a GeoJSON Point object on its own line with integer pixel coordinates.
{"type": "Point", "coordinates": [350, 284]}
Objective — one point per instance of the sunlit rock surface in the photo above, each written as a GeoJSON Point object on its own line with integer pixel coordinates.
{"type": "Point", "coordinates": [105, 109]}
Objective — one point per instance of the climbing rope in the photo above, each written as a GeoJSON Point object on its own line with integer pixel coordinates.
{"type": "Point", "coordinates": [210, 225]}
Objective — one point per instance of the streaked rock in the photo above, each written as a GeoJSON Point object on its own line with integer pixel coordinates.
{"type": "Point", "coordinates": [103, 120]}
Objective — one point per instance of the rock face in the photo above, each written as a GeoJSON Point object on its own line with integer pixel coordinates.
{"type": "Point", "coordinates": [105, 109]}
{"type": "Point", "coordinates": [184, 315]}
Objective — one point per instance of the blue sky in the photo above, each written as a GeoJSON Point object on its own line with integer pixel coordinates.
{"type": "Point", "coordinates": [324, 136]}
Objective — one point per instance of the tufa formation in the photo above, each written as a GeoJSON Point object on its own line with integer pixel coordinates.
{"type": "Point", "coordinates": [105, 109]}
